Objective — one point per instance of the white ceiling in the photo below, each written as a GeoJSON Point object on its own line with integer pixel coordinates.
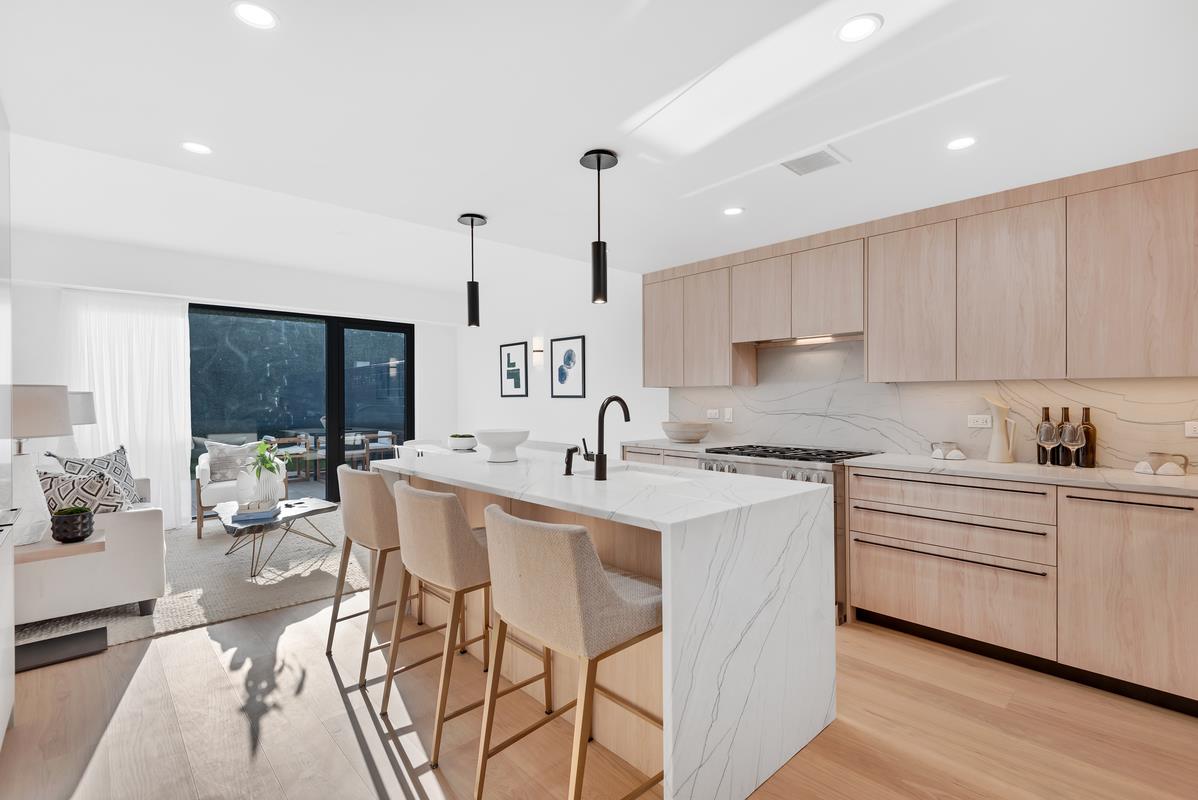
{"type": "Point", "coordinates": [351, 116]}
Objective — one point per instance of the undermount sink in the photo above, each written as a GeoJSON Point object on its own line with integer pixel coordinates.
{"type": "Point", "coordinates": [629, 472]}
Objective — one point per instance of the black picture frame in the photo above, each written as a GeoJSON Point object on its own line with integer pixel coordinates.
{"type": "Point", "coordinates": [504, 368]}
{"type": "Point", "coordinates": [580, 365]}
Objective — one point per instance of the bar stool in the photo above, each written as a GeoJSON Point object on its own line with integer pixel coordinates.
{"type": "Point", "coordinates": [547, 581]}
{"type": "Point", "coordinates": [368, 514]}
{"type": "Point", "coordinates": [441, 550]}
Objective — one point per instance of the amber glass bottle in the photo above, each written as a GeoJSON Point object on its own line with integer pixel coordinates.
{"type": "Point", "coordinates": [1087, 456]}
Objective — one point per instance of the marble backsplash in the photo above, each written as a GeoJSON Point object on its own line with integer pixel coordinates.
{"type": "Point", "coordinates": [818, 396]}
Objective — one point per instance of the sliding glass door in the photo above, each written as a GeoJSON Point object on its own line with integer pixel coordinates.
{"type": "Point", "coordinates": [326, 390]}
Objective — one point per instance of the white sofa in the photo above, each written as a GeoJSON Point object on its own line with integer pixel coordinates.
{"type": "Point", "coordinates": [209, 492]}
{"type": "Point", "coordinates": [130, 569]}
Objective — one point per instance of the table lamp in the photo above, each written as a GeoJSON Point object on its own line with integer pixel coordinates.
{"type": "Point", "coordinates": [39, 411]}
{"type": "Point", "coordinates": [83, 408]}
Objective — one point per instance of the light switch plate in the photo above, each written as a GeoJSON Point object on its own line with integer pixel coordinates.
{"type": "Point", "coordinates": [713, 413]}
{"type": "Point", "coordinates": [979, 421]}
{"type": "Point", "coordinates": [728, 414]}
{"type": "Point", "coordinates": [1192, 429]}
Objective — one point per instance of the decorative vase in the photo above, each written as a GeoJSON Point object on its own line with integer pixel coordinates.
{"type": "Point", "coordinates": [269, 490]}
{"type": "Point", "coordinates": [68, 528]}
{"type": "Point", "coordinates": [247, 488]}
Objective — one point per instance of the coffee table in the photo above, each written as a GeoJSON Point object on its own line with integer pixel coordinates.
{"type": "Point", "coordinates": [254, 533]}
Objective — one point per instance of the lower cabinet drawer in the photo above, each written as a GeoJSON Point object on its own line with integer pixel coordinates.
{"type": "Point", "coordinates": [1004, 602]}
{"type": "Point", "coordinates": [644, 456]}
{"type": "Point", "coordinates": [1025, 541]}
{"type": "Point", "coordinates": [1030, 502]}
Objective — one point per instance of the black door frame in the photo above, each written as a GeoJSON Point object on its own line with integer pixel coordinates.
{"type": "Point", "coordinates": [334, 401]}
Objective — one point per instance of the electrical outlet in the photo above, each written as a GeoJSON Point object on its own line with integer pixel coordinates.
{"type": "Point", "coordinates": [1192, 429]}
{"type": "Point", "coordinates": [979, 421]}
{"type": "Point", "coordinates": [713, 413]}
{"type": "Point", "coordinates": [728, 414]}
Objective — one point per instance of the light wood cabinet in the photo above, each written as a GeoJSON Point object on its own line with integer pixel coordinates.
{"type": "Point", "coordinates": [663, 333]}
{"type": "Point", "coordinates": [911, 291]}
{"type": "Point", "coordinates": [709, 357]}
{"type": "Point", "coordinates": [1011, 500]}
{"type": "Point", "coordinates": [761, 300]}
{"type": "Point", "coordinates": [674, 460]}
{"type": "Point", "coordinates": [827, 290]}
{"type": "Point", "coordinates": [1011, 293]}
{"type": "Point", "coordinates": [642, 456]}
{"type": "Point", "coordinates": [1133, 279]}
{"type": "Point", "coordinates": [1128, 597]}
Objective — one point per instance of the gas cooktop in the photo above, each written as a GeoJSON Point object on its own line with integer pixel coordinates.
{"type": "Point", "coordinates": [821, 454]}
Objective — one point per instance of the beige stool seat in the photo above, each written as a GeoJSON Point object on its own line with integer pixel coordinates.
{"type": "Point", "coordinates": [547, 580]}
{"type": "Point", "coordinates": [442, 550]}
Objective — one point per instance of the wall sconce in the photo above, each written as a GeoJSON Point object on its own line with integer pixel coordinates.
{"type": "Point", "coordinates": [538, 352]}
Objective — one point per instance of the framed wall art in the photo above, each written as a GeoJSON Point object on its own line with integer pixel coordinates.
{"type": "Point", "coordinates": [567, 367]}
{"type": "Point", "coordinates": [513, 369]}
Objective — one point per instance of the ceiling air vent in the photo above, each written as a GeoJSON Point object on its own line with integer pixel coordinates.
{"type": "Point", "coordinates": [813, 162]}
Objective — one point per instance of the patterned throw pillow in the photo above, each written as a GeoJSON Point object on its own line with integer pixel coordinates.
{"type": "Point", "coordinates": [94, 490]}
{"type": "Point", "coordinates": [226, 460]}
{"type": "Point", "coordinates": [115, 465]}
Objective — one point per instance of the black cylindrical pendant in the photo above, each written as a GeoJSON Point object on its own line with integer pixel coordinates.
{"type": "Point", "coordinates": [472, 304]}
{"type": "Point", "coordinates": [598, 272]}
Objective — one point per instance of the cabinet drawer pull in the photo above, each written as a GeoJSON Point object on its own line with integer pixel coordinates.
{"type": "Point", "coordinates": [1128, 502]}
{"type": "Point", "coordinates": [953, 558]}
{"type": "Point", "coordinates": [951, 485]}
{"type": "Point", "coordinates": [950, 521]}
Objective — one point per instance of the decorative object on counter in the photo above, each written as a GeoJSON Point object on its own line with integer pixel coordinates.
{"type": "Point", "coordinates": [1045, 417]}
{"type": "Point", "coordinates": [599, 160]}
{"type": "Point", "coordinates": [1164, 464]}
{"type": "Point", "coordinates": [462, 441]}
{"type": "Point", "coordinates": [567, 367]}
{"type": "Point", "coordinates": [1088, 455]}
{"type": "Point", "coordinates": [947, 451]}
{"type": "Point", "coordinates": [513, 369]}
{"type": "Point", "coordinates": [1073, 438]}
{"type": "Point", "coordinates": [1060, 456]}
{"type": "Point", "coordinates": [1002, 434]}
{"type": "Point", "coordinates": [72, 524]}
{"type": "Point", "coordinates": [686, 432]}
{"type": "Point", "coordinates": [502, 443]}
{"type": "Point", "coordinates": [1048, 437]}
{"type": "Point", "coordinates": [474, 221]}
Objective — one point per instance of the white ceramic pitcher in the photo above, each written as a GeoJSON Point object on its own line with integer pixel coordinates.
{"type": "Point", "coordinates": [1003, 434]}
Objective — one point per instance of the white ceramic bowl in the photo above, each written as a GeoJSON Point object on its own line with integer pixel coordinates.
{"type": "Point", "coordinates": [686, 432]}
{"type": "Point", "coordinates": [461, 442]}
{"type": "Point", "coordinates": [502, 443]}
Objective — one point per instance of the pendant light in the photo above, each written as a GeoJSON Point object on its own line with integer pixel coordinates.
{"type": "Point", "coordinates": [599, 160]}
{"type": "Point", "coordinates": [474, 221]}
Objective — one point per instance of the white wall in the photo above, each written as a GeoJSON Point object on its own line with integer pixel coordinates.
{"type": "Point", "coordinates": [550, 297]}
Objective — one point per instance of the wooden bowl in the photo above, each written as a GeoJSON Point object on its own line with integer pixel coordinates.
{"type": "Point", "coordinates": [686, 432]}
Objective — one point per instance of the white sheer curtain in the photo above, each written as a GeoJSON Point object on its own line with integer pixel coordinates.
{"type": "Point", "coordinates": [133, 352]}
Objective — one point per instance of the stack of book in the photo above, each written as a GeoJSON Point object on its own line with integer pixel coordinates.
{"type": "Point", "coordinates": [263, 515]}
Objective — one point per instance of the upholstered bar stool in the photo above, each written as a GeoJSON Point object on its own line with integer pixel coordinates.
{"type": "Point", "coordinates": [442, 550]}
{"type": "Point", "coordinates": [368, 514]}
{"type": "Point", "coordinates": [547, 581]}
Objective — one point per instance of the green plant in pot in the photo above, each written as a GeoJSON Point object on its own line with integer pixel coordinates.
{"type": "Point", "coordinates": [268, 460]}
{"type": "Point", "coordinates": [72, 524]}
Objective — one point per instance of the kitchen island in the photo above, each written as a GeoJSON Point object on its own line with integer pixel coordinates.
{"type": "Point", "coordinates": [743, 674]}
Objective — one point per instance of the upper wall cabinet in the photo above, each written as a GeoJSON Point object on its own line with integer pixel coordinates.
{"type": "Point", "coordinates": [709, 357]}
{"type": "Point", "coordinates": [761, 300]}
{"type": "Point", "coordinates": [911, 318]}
{"type": "Point", "coordinates": [1133, 280]}
{"type": "Point", "coordinates": [663, 334]}
{"type": "Point", "coordinates": [827, 290]}
{"type": "Point", "coordinates": [1011, 293]}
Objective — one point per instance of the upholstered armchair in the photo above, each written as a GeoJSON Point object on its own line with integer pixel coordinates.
{"type": "Point", "coordinates": [210, 492]}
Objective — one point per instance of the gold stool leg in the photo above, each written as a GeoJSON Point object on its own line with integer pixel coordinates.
{"type": "Point", "coordinates": [328, 648]}
{"type": "Point", "coordinates": [484, 744]}
{"type": "Point", "coordinates": [587, 669]}
{"type": "Point", "coordinates": [401, 608]}
{"type": "Point", "coordinates": [455, 618]}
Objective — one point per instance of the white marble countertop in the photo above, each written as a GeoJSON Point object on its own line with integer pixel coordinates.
{"type": "Point", "coordinates": [645, 495]}
{"type": "Point", "coordinates": [1123, 480]}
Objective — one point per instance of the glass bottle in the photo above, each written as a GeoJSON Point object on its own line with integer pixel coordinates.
{"type": "Point", "coordinates": [1087, 456]}
{"type": "Point", "coordinates": [1041, 453]}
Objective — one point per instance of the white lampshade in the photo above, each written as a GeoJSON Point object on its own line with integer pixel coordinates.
{"type": "Point", "coordinates": [83, 408]}
{"type": "Point", "coordinates": [39, 411]}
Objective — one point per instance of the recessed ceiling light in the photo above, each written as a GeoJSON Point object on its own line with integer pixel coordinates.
{"type": "Point", "coordinates": [255, 16]}
{"type": "Point", "coordinates": [732, 212]}
{"type": "Point", "coordinates": [860, 27]}
{"type": "Point", "coordinates": [962, 143]}
{"type": "Point", "coordinates": [197, 148]}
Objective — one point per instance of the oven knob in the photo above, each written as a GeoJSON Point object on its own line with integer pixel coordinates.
{"type": "Point", "coordinates": [788, 474]}
{"type": "Point", "coordinates": [730, 468]}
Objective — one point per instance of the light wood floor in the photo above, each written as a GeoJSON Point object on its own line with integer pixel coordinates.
{"type": "Point", "coordinates": [253, 708]}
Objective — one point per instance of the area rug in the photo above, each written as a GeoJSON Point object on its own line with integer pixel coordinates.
{"type": "Point", "coordinates": [205, 586]}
